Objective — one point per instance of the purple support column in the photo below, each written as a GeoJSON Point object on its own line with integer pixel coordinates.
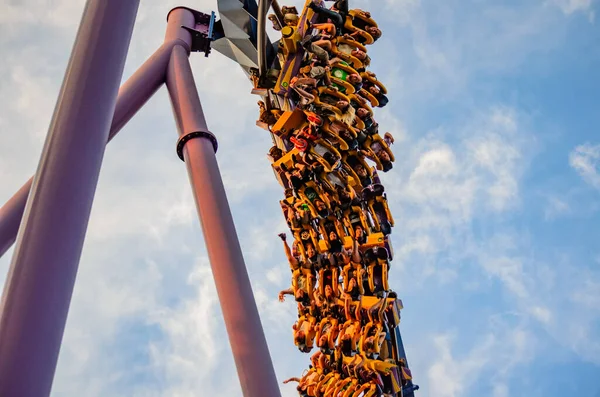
{"type": "Point", "coordinates": [136, 91]}
{"type": "Point", "coordinates": [42, 274]}
{"type": "Point", "coordinates": [248, 343]}
{"type": "Point", "coordinates": [11, 214]}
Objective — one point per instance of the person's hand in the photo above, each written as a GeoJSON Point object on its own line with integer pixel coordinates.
{"type": "Point", "coordinates": [281, 297]}
{"type": "Point", "coordinates": [282, 236]}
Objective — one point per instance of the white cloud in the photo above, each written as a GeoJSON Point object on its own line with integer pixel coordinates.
{"type": "Point", "coordinates": [585, 159]}
{"type": "Point", "coordinates": [571, 6]}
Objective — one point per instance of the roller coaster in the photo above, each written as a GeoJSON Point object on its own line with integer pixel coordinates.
{"type": "Point", "coordinates": [317, 98]}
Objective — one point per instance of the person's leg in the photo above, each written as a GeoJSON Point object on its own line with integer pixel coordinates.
{"type": "Point", "coordinates": [328, 28]}
{"type": "Point", "coordinates": [342, 7]}
{"type": "Point", "coordinates": [324, 13]}
{"type": "Point", "coordinates": [306, 95]}
{"type": "Point", "coordinates": [321, 54]}
{"type": "Point", "coordinates": [306, 81]}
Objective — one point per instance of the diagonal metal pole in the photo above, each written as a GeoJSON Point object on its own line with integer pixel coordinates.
{"type": "Point", "coordinates": [40, 282]}
{"type": "Point", "coordinates": [134, 93]}
{"type": "Point", "coordinates": [197, 148]}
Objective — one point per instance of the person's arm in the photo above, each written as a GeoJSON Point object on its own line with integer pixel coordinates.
{"type": "Point", "coordinates": [327, 77]}
{"type": "Point", "coordinates": [369, 154]}
{"type": "Point", "coordinates": [347, 307]}
{"type": "Point", "coordinates": [288, 252]}
{"type": "Point", "coordinates": [355, 252]}
{"type": "Point", "coordinates": [289, 291]}
{"type": "Point", "coordinates": [291, 380]}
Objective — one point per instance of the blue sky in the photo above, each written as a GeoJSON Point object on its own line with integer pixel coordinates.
{"type": "Point", "coordinates": [495, 191]}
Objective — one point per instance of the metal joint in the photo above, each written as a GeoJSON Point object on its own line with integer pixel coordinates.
{"type": "Point", "coordinates": [203, 34]}
{"type": "Point", "coordinates": [195, 134]}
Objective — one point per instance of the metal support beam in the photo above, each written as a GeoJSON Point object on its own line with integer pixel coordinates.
{"type": "Point", "coordinates": [263, 9]}
{"type": "Point", "coordinates": [134, 93]}
{"type": "Point", "coordinates": [246, 336]}
{"type": "Point", "coordinates": [40, 282]}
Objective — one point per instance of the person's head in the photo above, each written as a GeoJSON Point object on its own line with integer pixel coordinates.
{"type": "Point", "coordinates": [362, 112]}
{"type": "Point", "coordinates": [373, 31]}
{"type": "Point", "coordinates": [333, 235]}
{"type": "Point", "coordinates": [275, 153]}
{"type": "Point", "coordinates": [354, 78]}
{"type": "Point", "coordinates": [374, 90]}
{"type": "Point", "coordinates": [320, 205]}
{"type": "Point", "coordinates": [328, 291]}
{"type": "Point", "coordinates": [345, 135]}
{"type": "Point", "coordinates": [295, 248]}
{"type": "Point", "coordinates": [361, 55]}
{"type": "Point", "coordinates": [359, 231]}
{"type": "Point", "coordinates": [369, 344]}
{"type": "Point", "coordinates": [342, 105]}
{"type": "Point", "coordinates": [360, 170]}
{"type": "Point", "coordinates": [310, 250]}
{"type": "Point", "coordinates": [384, 156]}
{"type": "Point", "coordinates": [300, 338]}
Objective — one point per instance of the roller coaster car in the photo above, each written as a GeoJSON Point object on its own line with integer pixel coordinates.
{"type": "Point", "coordinates": [371, 78]}
{"type": "Point", "coordinates": [378, 276]}
{"type": "Point", "coordinates": [327, 333]}
{"type": "Point", "coordinates": [370, 97]}
{"type": "Point", "coordinates": [368, 389]}
{"type": "Point", "coordinates": [353, 271]}
{"type": "Point", "coordinates": [377, 203]}
{"type": "Point", "coordinates": [364, 176]}
{"type": "Point", "coordinates": [328, 225]}
{"type": "Point", "coordinates": [300, 205]}
{"type": "Point", "coordinates": [343, 48]}
{"type": "Point", "coordinates": [359, 101]}
{"type": "Point", "coordinates": [281, 167]}
{"type": "Point", "coordinates": [341, 130]}
{"type": "Point", "coordinates": [333, 136]}
{"type": "Point", "coordinates": [306, 235]}
{"type": "Point", "coordinates": [374, 145]}
{"type": "Point", "coordinates": [392, 314]}
{"type": "Point", "coordinates": [339, 74]}
{"type": "Point", "coordinates": [356, 23]}
{"type": "Point", "coordinates": [331, 182]}
{"type": "Point", "coordinates": [288, 122]}
{"type": "Point", "coordinates": [326, 155]}
{"type": "Point", "coordinates": [354, 217]}
{"type": "Point", "coordinates": [389, 372]}
{"type": "Point", "coordinates": [305, 326]}
{"type": "Point", "coordinates": [372, 330]}
{"type": "Point", "coordinates": [329, 277]}
{"type": "Point", "coordinates": [326, 385]}
{"type": "Point", "coordinates": [327, 95]}
{"type": "Point", "coordinates": [315, 195]}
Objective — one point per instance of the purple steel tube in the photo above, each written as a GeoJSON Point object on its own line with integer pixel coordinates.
{"type": "Point", "coordinates": [40, 282]}
{"type": "Point", "coordinates": [246, 336]}
{"type": "Point", "coordinates": [136, 91]}
{"type": "Point", "coordinates": [11, 214]}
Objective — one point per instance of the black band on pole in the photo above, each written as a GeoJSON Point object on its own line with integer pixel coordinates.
{"type": "Point", "coordinates": [196, 134]}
